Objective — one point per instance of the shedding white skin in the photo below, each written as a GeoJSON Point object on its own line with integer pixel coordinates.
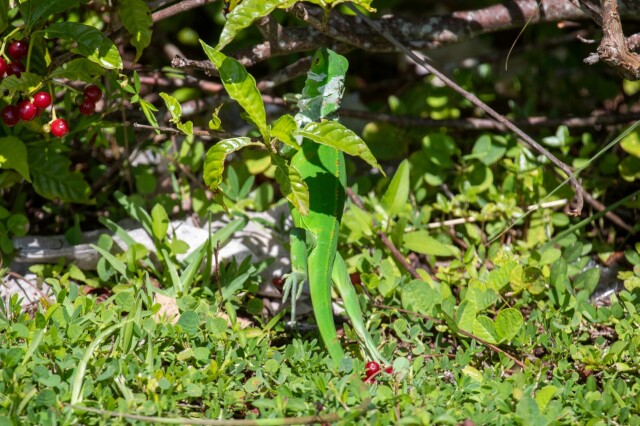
{"type": "Point", "coordinates": [311, 109]}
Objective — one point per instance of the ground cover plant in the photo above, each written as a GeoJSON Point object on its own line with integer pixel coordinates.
{"type": "Point", "coordinates": [496, 278]}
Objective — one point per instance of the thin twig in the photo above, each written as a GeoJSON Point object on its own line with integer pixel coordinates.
{"type": "Point", "coordinates": [486, 124]}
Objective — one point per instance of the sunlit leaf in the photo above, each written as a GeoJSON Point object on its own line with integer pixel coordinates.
{"type": "Point", "coordinates": [334, 134]}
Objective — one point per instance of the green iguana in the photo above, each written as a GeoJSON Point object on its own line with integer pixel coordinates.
{"type": "Point", "coordinates": [314, 238]}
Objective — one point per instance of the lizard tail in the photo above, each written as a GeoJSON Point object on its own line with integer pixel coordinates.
{"type": "Point", "coordinates": [320, 286]}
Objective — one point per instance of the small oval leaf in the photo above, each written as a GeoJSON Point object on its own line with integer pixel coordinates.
{"type": "Point", "coordinates": [508, 323]}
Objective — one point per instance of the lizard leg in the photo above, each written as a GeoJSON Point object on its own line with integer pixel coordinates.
{"type": "Point", "coordinates": [341, 280]}
{"type": "Point", "coordinates": [294, 282]}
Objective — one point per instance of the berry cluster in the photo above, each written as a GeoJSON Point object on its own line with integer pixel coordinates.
{"type": "Point", "coordinates": [92, 94]}
{"type": "Point", "coordinates": [27, 110]}
{"type": "Point", "coordinates": [18, 49]}
{"type": "Point", "coordinates": [372, 369]}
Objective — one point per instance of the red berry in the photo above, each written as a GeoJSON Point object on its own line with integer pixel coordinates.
{"type": "Point", "coordinates": [3, 67]}
{"type": "Point", "coordinates": [42, 99]}
{"type": "Point", "coordinates": [93, 93]}
{"type": "Point", "coordinates": [389, 370]}
{"type": "Point", "coordinates": [371, 368]}
{"type": "Point", "coordinates": [59, 127]}
{"type": "Point", "coordinates": [15, 68]}
{"type": "Point", "coordinates": [27, 110]}
{"type": "Point", "coordinates": [10, 115]}
{"type": "Point", "coordinates": [87, 107]}
{"type": "Point", "coordinates": [18, 49]}
{"type": "Point", "coordinates": [369, 380]}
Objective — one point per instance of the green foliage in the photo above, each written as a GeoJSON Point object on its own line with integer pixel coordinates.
{"type": "Point", "coordinates": [484, 300]}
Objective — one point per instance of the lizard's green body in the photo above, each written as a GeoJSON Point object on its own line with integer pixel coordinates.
{"type": "Point", "coordinates": [314, 239]}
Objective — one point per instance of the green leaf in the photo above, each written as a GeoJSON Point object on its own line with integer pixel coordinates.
{"type": "Point", "coordinates": [52, 179]}
{"type": "Point", "coordinates": [189, 322]}
{"type": "Point", "coordinates": [283, 129]}
{"type": "Point", "coordinates": [525, 277]}
{"type": "Point", "coordinates": [217, 154]}
{"type": "Point", "coordinates": [484, 328]}
{"type": "Point", "coordinates": [36, 12]}
{"type": "Point", "coordinates": [291, 185]}
{"type": "Point", "coordinates": [587, 280]}
{"type": "Point", "coordinates": [418, 296]}
{"type": "Point", "coordinates": [173, 106]}
{"type": "Point", "coordinates": [631, 144]}
{"type": "Point", "coordinates": [245, 14]}
{"type": "Point", "coordinates": [90, 42]}
{"type": "Point", "coordinates": [544, 396]}
{"type": "Point", "coordinates": [27, 82]}
{"type": "Point", "coordinates": [466, 315]}
{"type": "Point", "coordinates": [334, 134]}
{"type": "Point", "coordinates": [148, 109]}
{"type": "Point", "coordinates": [241, 87]}
{"type": "Point", "coordinates": [397, 194]}
{"type": "Point", "coordinates": [136, 18]}
{"type": "Point", "coordinates": [186, 128]}
{"type": "Point", "coordinates": [159, 222]}
{"type": "Point", "coordinates": [421, 242]}
{"type": "Point", "coordinates": [78, 69]}
{"type": "Point", "coordinates": [487, 152]}
{"type": "Point", "coordinates": [13, 155]}
{"type": "Point", "coordinates": [508, 323]}
{"type": "Point", "coordinates": [115, 263]}
{"type": "Point", "coordinates": [4, 15]}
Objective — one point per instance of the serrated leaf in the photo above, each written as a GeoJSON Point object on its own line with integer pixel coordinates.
{"type": "Point", "coordinates": [52, 178]}
{"type": "Point", "coordinates": [90, 43]}
{"type": "Point", "coordinates": [27, 82]}
{"type": "Point", "coordinates": [484, 328]}
{"type": "Point", "coordinates": [159, 222]}
{"type": "Point", "coordinates": [241, 87]}
{"type": "Point", "coordinates": [334, 134]}
{"type": "Point", "coordinates": [136, 18]}
{"type": "Point", "coordinates": [13, 155]}
{"type": "Point", "coordinates": [291, 185]}
{"type": "Point", "coordinates": [243, 15]}
{"type": "Point", "coordinates": [78, 69]}
{"type": "Point", "coordinates": [397, 194]}
{"type": "Point", "coordinates": [173, 106]}
{"type": "Point", "coordinates": [508, 323]}
{"type": "Point", "coordinates": [283, 129]}
{"type": "Point", "coordinates": [217, 154]}
{"type": "Point", "coordinates": [421, 242]}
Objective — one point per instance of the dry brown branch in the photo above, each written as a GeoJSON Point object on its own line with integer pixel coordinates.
{"type": "Point", "coordinates": [613, 49]}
